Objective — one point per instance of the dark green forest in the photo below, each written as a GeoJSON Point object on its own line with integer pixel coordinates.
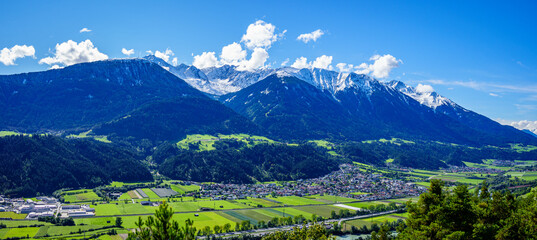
{"type": "Point", "coordinates": [42, 164]}
{"type": "Point", "coordinates": [234, 163]}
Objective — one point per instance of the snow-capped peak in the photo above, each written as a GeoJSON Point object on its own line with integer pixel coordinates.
{"type": "Point", "coordinates": [424, 94]}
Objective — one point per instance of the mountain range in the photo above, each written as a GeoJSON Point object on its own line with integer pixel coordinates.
{"type": "Point", "coordinates": [151, 99]}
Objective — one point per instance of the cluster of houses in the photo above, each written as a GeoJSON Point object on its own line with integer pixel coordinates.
{"type": "Point", "coordinates": [349, 181]}
{"type": "Point", "coordinates": [40, 207]}
{"type": "Point", "coordinates": [43, 207]}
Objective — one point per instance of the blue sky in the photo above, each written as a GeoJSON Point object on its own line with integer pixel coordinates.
{"type": "Point", "coordinates": [481, 54]}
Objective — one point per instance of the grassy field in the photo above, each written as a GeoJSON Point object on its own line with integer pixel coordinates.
{"type": "Point", "coordinates": [365, 204]}
{"type": "Point", "coordinates": [523, 175]}
{"type": "Point", "coordinates": [12, 215]}
{"type": "Point", "coordinates": [322, 143]}
{"type": "Point", "coordinates": [187, 188]}
{"type": "Point", "coordinates": [330, 198]}
{"type": "Point", "coordinates": [8, 133]}
{"type": "Point", "coordinates": [295, 200]}
{"type": "Point", "coordinates": [205, 142]}
{"type": "Point", "coordinates": [370, 221]}
{"type": "Point", "coordinates": [150, 193]}
{"type": "Point", "coordinates": [14, 224]}
{"type": "Point", "coordinates": [396, 141]}
{"type": "Point", "coordinates": [88, 135]}
{"type": "Point", "coordinates": [461, 178]}
{"type": "Point", "coordinates": [324, 211]}
{"type": "Point", "coordinates": [253, 202]}
{"type": "Point", "coordinates": [523, 148]}
{"type": "Point", "coordinates": [204, 219]}
{"type": "Point", "coordinates": [83, 195]}
{"type": "Point", "coordinates": [21, 232]}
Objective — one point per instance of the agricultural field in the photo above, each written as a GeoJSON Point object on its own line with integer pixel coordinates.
{"type": "Point", "coordinates": [187, 188]}
{"type": "Point", "coordinates": [523, 175]}
{"type": "Point", "coordinates": [461, 178]}
{"type": "Point", "coordinates": [83, 195]}
{"type": "Point", "coordinates": [18, 232]}
{"type": "Point", "coordinates": [323, 211]}
{"type": "Point", "coordinates": [149, 193]}
{"type": "Point", "coordinates": [331, 198]}
{"type": "Point", "coordinates": [254, 202]}
{"type": "Point", "coordinates": [163, 192]}
{"type": "Point", "coordinates": [295, 200]}
{"type": "Point", "coordinates": [12, 215]}
{"type": "Point", "coordinates": [121, 184]}
{"type": "Point", "coordinates": [370, 221]}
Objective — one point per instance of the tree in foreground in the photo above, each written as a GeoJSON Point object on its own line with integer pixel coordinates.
{"type": "Point", "coordinates": [440, 214]}
{"type": "Point", "coordinates": [162, 227]}
{"type": "Point", "coordinates": [314, 232]}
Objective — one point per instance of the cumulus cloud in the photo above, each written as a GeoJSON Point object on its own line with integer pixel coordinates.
{"type": "Point", "coordinates": [127, 52]}
{"type": "Point", "coordinates": [423, 88]}
{"type": "Point", "coordinates": [380, 68]}
{"type": "Point", "coordinates": [83, 30]}
{"type": "Point", "coordinates": [301, 62]}
{"type": "Point", "coordinates": [312, 36]}
{"type": "Point", "coordinates": [175, 61]}
{"type": "Point", "coordinates": [383, 65]}
{"type": "Point", "coordinates": [260, 35]}
{"type": "Point", "coordinates": [320, 62]}
{"type": "Point", "coordinates": [71, 52]}
{"type": "Point", "coordinates": [233, 54]}
{"type": "Point", "coordinates": [524, 124]}
{"type": "Point", "coordinates": [257, 60]}
{"type": "Point", "coordinates": [164, 55]}
{"type": "Point", "coordinates": [323, 62]}
{"type": "Point", "coordinates": [205, 60]}
{"type": "Point", "coordinates": [9, 55]}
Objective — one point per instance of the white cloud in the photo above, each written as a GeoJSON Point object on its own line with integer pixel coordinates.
{"type": "Point", "coordinates": [494, 94]}
{"type": "Point", "coordinates": [233, 54]}
{"type": "Point", "coordinates": [56, 66]}
{"type": "Point", "coordinates": [260, 35]}
{"type": "Point", "coordinates": [257, 60]}
{"type": "Point", "coordinates": [301, 62]}
{"type": "Point", "coordinates": [312, 36]}
{"type": "Point", "coordinates": [323, 62]}
{"type": "Point", "coordinates": [320, 62]}
{"type": "Point", "coordinates": [344, 67]}
{"type": "Point", "coordinates": [524, 124]}
{"type": "Point", "coordinates": [9, 55]}
{"type": "Point", "coordinates": [127, 52]}
{"type": "Point", "coordinates": [383, 65]}
{"type": "Point", "coordinates": [380, 68]}
{"type": "Point", "coordinates": [205, 60]}
{"type": "Point", "coordinates": [83, 30]}
{"type": "Point", "coordinates": [175, 62]}
{"type": "Point", "coordinates": [164, 55]}
{"type": "Point", "coordinates": [71, 52]}
{"type": "Point", "coordinates": [422, 88]}
{"type": "Point", "coordinates": [285, 62]}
